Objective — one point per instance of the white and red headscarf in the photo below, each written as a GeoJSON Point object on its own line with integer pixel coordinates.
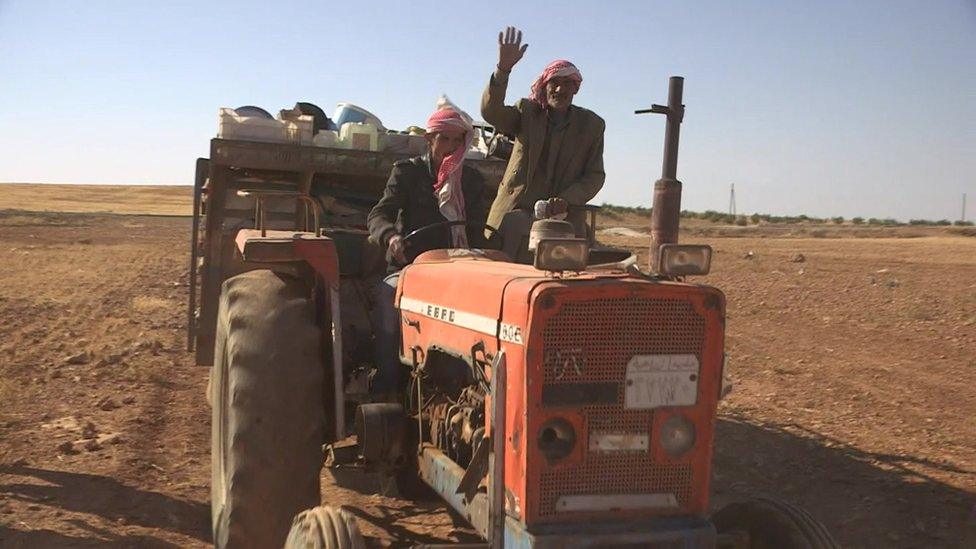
{"type": "Point", "coordinates": [447, 185]}
{"type": "Point", "coordinates": [559, 68]}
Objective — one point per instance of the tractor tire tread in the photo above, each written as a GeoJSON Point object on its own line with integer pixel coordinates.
{"type": "Point", "coordinates": [268, 371]}
{"type": "Point", "coordinates": [770, 516]}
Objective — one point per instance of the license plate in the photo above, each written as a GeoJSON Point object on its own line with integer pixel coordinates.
{"type": "Point", "coordinates": [656, 381]}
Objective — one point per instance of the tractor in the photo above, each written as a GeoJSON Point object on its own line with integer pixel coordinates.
{"type": "Point", "coordinates": [570, 402]}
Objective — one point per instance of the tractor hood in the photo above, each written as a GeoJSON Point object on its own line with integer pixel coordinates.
{"type": "Point", "coordinates": [459, 289]}
{"type": "Point", "coordinates": [450, 295]}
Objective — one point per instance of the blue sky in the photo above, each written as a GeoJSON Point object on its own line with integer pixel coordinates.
{"type": "Point", "coordinates": [825, 108]}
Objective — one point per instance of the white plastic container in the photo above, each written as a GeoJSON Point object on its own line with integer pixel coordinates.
{"type": "Point", "coordinates": [231, 125]}
{"type": "Point", "coordinates": [347, 112]}
{"type": "Point", "coordinates": [354, 135]}
{"type": "Point", "coordinates": [326, 138]}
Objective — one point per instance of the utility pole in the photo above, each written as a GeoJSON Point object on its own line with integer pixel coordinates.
{"type": "Point", "coordinates": [732, 201]}
{"type": "Point", "coordinates": [963, 208]}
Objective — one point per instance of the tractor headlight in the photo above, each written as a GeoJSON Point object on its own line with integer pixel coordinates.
{"type": "Point", "coordinates": [684, 259]}
{"type": "Point", "coordinates": [677, 435]}
{"type": "Point", "coordinates": [561, 254]}
{"type": "Point", "coordinates": [556, 439]}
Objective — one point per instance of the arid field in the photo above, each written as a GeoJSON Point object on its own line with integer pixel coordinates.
{"type": "Point", "coordinates": [852, 352]}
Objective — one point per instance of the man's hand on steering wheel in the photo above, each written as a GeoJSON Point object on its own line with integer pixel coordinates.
{"type": "Point", "coordinates": [397, 248]}
{"type": "Point", "coordinates": [406, 240]}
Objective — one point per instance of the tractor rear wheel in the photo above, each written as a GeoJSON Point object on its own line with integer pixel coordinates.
{"type": "Point", "coordinates": [772, 524]}
{"type": "Point", "coordinates": [325, 527]}
{"type": "Point", "coordinates": [267, 409]}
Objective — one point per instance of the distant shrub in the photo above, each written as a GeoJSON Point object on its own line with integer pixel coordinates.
{"type": "Point", "coordinates": [741, 221]}
{"type": "Point", "coordinates": [639, 210]}
{"type": "Point", "coordinates": [919, 222]}
{"type": "Point", "coordinates": [718, 217]}
{"type": "Point", "coordinates": [960, 223]}
{"type": "Point", "coordinates": [837, 220]}
{"type": "Point", "coordinates": [889, 222]}
{"type": "Point", "coordinates": [857, 220]}
{"type": "Point", "coordinates": [874, 221]}
{"type": "Point", "coordinates": [755, 218]}
{"type": "Point", "coordinates": [943, 223]}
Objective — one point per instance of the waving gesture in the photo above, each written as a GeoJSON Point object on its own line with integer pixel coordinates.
{"type": "Point", "coordinates": [510, 48]}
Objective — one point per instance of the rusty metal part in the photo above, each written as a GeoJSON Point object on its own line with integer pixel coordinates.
{"type": "Point", "coordinates": [675, 113]}
{"type": "Point", "coordinates": [666, 212]}
{"type": "Point", "coordinates": [202, 169]}
{"type": "Point", "coordinates": [352, 168]}
{"type": "Point", "coordinates": [311, 211]}
{"type": "Point", "coordinates": [665, 217]}
{"type": "Point", "coordinates": [476, 471]}
{"type": "Point", "coordinates": [436, 415]}
{"type": "Point", "coordinates": [496, 484]}
{"type": "Point", "coordinates": [664, 532]}
{"type": "Point", "coordinates": [444, 476]}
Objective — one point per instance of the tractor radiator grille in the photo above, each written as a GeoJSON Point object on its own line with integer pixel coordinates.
{"type": "Point", "coordinates": [588, 344]}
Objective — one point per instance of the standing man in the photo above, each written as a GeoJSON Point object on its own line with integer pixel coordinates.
{"type": "Point", "coordinates": [558, 153]}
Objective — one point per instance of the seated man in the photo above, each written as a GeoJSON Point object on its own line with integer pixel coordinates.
{"type": "Point", "coordinates": [558, 153]}
{"type": "Point", "coordinates": [422, 191]}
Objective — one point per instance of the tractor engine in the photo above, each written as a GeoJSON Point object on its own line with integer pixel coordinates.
{"type": "Point", "coordinates": [612, 382]}
{"type": "Point", "coordinates": [453, 405]}
{"type": "Point", "coordinates": [457, 426]}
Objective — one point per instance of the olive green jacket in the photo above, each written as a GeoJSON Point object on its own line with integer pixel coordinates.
{"type": "Point", "coordinates": [579, 171]}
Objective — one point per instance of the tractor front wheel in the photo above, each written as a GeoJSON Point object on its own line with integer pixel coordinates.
{"type": "Point", "coordinates": [325, 527]}
{"type": "Point", "coordinates": [266, 392]}
{"type": "Point", "coordinates": [770, 524]}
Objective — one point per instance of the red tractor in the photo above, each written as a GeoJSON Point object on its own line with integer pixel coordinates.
{"type": "Point", "coordinates": [568, 403]}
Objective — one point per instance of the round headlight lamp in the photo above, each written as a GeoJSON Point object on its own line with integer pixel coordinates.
{"type": "Point", "coordinates": [556, 439]}
{"type": "Point", "coordinates": [677, 435]}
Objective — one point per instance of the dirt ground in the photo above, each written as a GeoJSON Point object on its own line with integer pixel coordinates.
{"type": "Point", "coordinates": [853, 370]}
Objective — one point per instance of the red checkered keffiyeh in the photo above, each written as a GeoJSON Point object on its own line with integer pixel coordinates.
{"type": "Point", "coordinates": [557, 69]}
{"type": "Point", "coordinates": [447, 186]}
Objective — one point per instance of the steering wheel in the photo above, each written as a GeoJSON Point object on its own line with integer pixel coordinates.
{"type": "Point", "coordinates": [495, 239]}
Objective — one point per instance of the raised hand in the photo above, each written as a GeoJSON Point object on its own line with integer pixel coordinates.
{"type": "Point", "coordinates": [510, 48]}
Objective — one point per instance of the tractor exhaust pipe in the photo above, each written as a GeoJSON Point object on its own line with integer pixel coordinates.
{"type": "Point", "coordinates": [666, 212]}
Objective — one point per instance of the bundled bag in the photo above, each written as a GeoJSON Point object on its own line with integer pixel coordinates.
{"type": "Point", "coordinates": [499, 145]}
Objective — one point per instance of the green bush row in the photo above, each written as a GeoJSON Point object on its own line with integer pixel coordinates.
{"type": "Point", "coordinates": [757, 218]}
